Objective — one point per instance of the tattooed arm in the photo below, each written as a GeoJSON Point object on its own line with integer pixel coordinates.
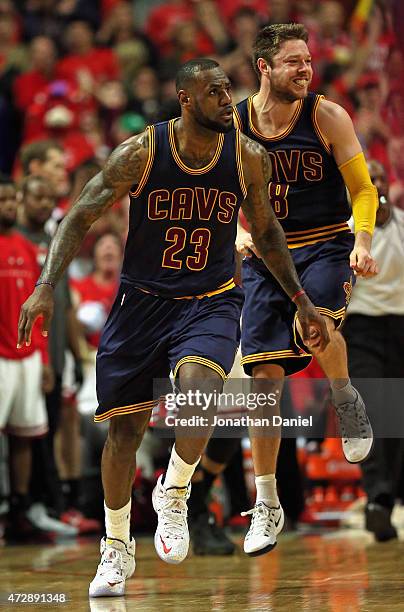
{"type": "Point", "coordinates": [124, 167]}
{"type": "Point", "coordinates": [269, 238]}
{"type": "Point", "coordinates": [266, 231]}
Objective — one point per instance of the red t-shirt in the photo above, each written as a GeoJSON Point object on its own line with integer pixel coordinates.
{"type": "Point", "coordinates": [19, 272]}
{"type": "Point", "coordinates": [91, 291]}
{"type": "Point", "coordinates": [27, 86]}
{"type": "Point", "coordinates": [101, 63]}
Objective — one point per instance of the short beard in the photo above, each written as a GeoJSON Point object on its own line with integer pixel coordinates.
{"type": "Point", "coordinates": [215, 126]}
{"type": "Point", "coordinates": [284, 96]}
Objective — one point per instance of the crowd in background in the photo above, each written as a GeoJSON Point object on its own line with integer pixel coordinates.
{"type": "Point", "coordinates": [79, 77]}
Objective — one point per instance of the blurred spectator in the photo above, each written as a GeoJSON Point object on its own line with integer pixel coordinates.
{"type": "Point", "coordinates": [396, 158]}
{"type": "Point", "coordinates": [46, 158]}
{"type": "Point", "coordinates": [43, 58]}
{"type": "Point", "coordinates": [374, 331]}
{"type": "Point", "coordinates": [144, 95]}
{"type": "Point", "coordinates": [38, 202]}
{"type": "Point", "coordinates": [24, 373]}
{"type": "Point", "coordinates": [84, 62]}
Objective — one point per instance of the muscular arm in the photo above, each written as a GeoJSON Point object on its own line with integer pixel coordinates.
{"type": "Point", "coordinates": [266, 231]}
{"type": "Point", "coordinates": [124, 167]}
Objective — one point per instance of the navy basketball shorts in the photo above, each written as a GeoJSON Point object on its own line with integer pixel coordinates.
{"type": "Point", "coordinates": [147, 336]}
{"type": "Point", "coordinates": [269, 333]}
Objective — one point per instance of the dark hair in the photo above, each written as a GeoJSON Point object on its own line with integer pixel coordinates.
{"type": "Point", "coordinates": [6, 180]}
{"type": "Point", "coordinates": [37, 150]}
{"type": "Point", "coordinates": [270, 38]}
{"type": "Point", "coordinates": [189, 71]}
{"type": "Point", "coordinates": [33, 178]}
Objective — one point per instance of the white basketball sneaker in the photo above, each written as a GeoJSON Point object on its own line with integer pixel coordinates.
{"type": "Point", "coordinates": [356, 430]}
{"type": "Point", "coordinates": [171, 539]}
{"type": "Point", "coordinates": [266, 523]}
{"type": "Point", "coordinates": [116, 565]}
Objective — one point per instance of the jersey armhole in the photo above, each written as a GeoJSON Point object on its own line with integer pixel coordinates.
{"type": "Point", "coordinates": [149, 163]}
{"type": "Point", "coordinates": [317, 129]}
{"type": "Point", "coordinates": [240, 165]}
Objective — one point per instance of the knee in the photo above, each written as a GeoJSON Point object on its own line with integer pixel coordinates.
{"type": "Point", "coordinates": [193, 376]}
{"type": "Point", "coordinates": [126, 432]}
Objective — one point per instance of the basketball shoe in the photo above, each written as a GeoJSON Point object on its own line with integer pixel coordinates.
{"type": "Point", "coordinates": [171, 539]}
{"type": "Point", "coordinates": [356, 430]}
{"type": "Point", "coordinates": [266, 523]}
{"type": "Point", "coordinates": [117, 563]}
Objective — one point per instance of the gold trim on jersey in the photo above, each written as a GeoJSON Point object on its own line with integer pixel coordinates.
{"type": "Point", "coordinates": [141, 407]}
{"type": "Point", "coordinates": [285, 133]}
{"type": "Point", "coordinates": [225, 287]}
{"type": "Point", "coordinates": [316, 126]}
{"type": "Point", "coordinates": [178, 159]}
{"type": "Point", "coordinates": [149, 163]}
{"type": "Point", "coordinates": [240, 164]}
{"type": "Point", "coordinates": [237, 119]}
{"type": "Point", "coordinates": [202, 361]}
{"type": "Point", "coordinates": [318, 234]}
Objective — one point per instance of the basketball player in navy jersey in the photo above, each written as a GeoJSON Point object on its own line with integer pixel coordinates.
{"type": "Point", "coordinates": [315, 155]}
{"type": "Point", "coordinates": [177, 307]}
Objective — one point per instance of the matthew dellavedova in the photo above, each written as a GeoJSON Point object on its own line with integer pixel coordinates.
{"type": "Point", "coordinates": [243, 421]}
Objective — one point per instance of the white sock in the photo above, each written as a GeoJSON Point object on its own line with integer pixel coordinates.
{"type": "Point", "coordinates": [117, 522]}
{"type": "Point", "coordinates": [266, 489]}
{"type": "Point", "coordinates": [343, 395]}
{"type": "Point", "coordinates": [178, 473]}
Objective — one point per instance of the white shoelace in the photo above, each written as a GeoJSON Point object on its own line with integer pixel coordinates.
{"type": "Point", "coordinates": [262, 519]}
{"type": "Point", "coordinates": [174, 512]}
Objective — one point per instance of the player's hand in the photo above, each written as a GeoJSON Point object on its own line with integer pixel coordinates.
{"type": "Point", "coordinates": [48, 378]}
{"type": "Point", "coordinates": [245, 245]}
{"type": "Point", "coordinates": [313, 327]}
{"type": "Point", "coordinates": [40, 303]}
{"type": "Point", "coordinates": [362, 263]}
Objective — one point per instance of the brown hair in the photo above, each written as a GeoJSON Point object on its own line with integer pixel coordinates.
{"type": "Point", "coordinates": [37, 150]}
{"type": "Point", "coordinates": [270, 38]}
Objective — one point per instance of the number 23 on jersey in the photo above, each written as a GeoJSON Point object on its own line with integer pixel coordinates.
{"type": "Point", "coordinates": [199, 240]}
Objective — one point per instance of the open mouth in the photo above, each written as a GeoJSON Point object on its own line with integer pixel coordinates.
{"type": "Point", "coordinates": [301, 82]}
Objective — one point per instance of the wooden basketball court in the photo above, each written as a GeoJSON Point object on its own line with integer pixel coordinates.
{"type": "Point", "coordinates": [340, 571]}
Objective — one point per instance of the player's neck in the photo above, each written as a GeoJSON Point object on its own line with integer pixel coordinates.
{"type": "Point", "coordinates": [194, 141]}
{"type": "Point", "coordinates": [271, 113]}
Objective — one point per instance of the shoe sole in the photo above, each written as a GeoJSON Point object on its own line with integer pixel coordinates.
{"type": "Point", "coordinates": [106, 592]}
{"type": "Point", "coordinates": [363, 458]}
{"type": "Point", "coordinates": [262, 551]}
{"type": "Point", "coordinates": [269, 547]}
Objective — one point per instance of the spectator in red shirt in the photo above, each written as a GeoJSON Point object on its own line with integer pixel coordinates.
{"type": "Point", "coordinates": [24, 373]}
{"type": "Point", "coordinates": [95, 293]}
{"type": "Point", "coordinates": [43, 57]}
{"type": "Point", "coordinates": [84, 62]}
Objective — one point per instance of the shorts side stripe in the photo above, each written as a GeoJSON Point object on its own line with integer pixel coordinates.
{"type": "Point", "coordinates": [125, 410]}
{"type": "Point", "coordinates": [272, 355]}
{"type": "Point", "coordinates": [202, 361]}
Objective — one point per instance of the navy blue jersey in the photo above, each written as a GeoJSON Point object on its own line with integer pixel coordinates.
{"type": "Point", "coordinates": [307, 191]}
{"type": "Point", "coordinates": [182, 221]}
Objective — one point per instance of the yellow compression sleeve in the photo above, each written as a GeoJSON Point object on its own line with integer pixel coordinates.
{"type": "Point", "coordinates": [364, 198]}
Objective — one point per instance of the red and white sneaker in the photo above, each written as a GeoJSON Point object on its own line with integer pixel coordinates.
{"type": "Point", "coordinates": [77, 519]}
{"type": "Point", "coordinates": [171, 539]}
{"type": "Point", "coordinates": [116, 565]}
